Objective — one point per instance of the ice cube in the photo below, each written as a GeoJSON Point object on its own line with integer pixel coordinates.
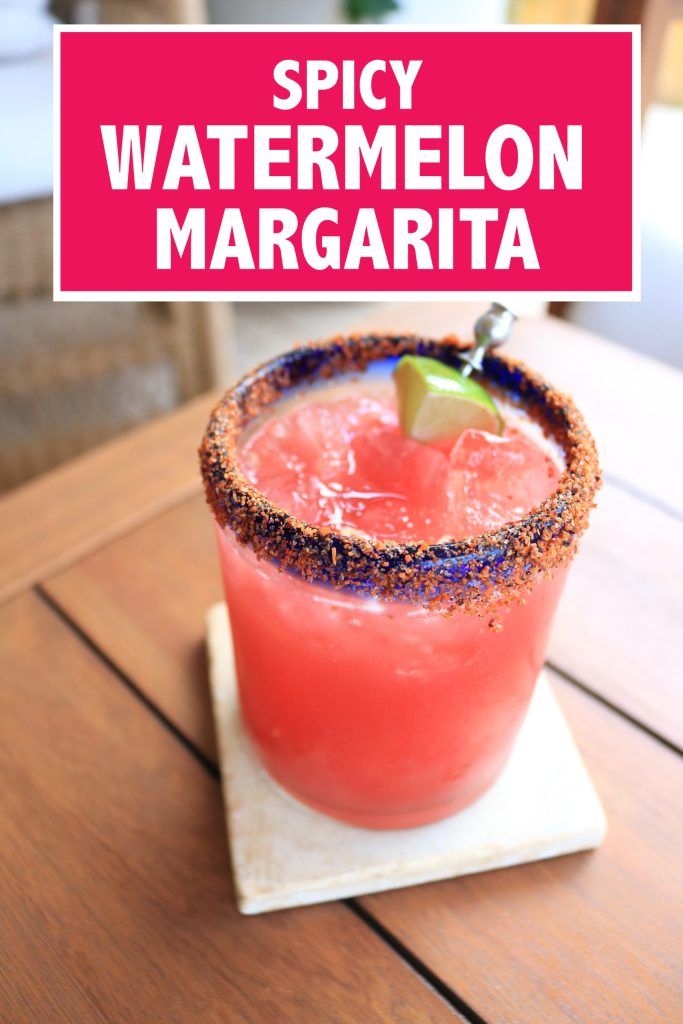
{"type": "Point", "coordinates": [495, 480]}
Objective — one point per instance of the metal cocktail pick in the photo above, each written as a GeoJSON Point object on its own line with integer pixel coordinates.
{"type": "Point", "coordinates": [490, 330]}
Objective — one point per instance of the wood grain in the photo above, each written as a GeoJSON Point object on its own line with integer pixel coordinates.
{"type": "Point", "coordinates": [624, 898]}
{"type": "Point", "coordinates": [632, 403]}
{"type": "Point", "coordinates": [116, 895]}
{"type": "Point", "coordinates": [615, 631]}
{"type": "Point", "coordinates": [117, 903]}
{"type": "Point", "coordinates": [619, 627]}
{"type": "Point", "coordinates": [143, 601]}
{"type": "Point", "coordinates": [592, 937]}
{"type": "Point", "coordinates": [61, 516]}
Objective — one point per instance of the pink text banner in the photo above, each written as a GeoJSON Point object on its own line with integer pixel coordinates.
{"type": "Point", "coordinates": [345, 163]}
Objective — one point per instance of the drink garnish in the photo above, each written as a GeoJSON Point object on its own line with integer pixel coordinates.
{"type": "Point", "coordinates": [438, 403]}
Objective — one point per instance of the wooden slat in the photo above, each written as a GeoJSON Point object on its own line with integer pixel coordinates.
{"type": "Point", "coordinates": [632, 403]}
{"type": "Point", "coordinates": [116, 894]}
{"type": "Point", "coordinates": [143, 600]}
{"type": "Point", "coordinates": [619, 627]}
{"type": "Point", "coordinates": [592, 937]}
{"type": "Point", "coordinates": [66, 513]}
{"type": "Point", "coordinates": [621, 898]}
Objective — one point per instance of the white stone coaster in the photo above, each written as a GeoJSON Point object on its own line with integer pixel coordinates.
{"type": "Point", "coordinates": [286, 855]}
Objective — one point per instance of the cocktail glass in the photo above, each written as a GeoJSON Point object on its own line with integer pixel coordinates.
{"type": "Point", "coordinates": [383, 683]}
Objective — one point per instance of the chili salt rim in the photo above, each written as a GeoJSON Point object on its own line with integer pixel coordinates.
{"type": "Point", "coordinates": [470, 573]}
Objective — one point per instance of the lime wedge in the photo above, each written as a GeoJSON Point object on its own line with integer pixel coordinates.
{"type": "Point", "coordinates": [436, 403]}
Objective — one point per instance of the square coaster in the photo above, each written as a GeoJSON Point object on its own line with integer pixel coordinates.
{"type": "Point", "coordinates": [286, 855]}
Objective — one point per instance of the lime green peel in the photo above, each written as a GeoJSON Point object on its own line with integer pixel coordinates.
{"type": "Point", "coordinates": [437, 403]}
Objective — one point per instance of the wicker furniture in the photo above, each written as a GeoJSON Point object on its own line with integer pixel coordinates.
{"type": "Point", "coordinates": [117, 904]}
{"type": "Point", "coordinates": [75, 374]}
{"type": "Point", "coordinates": [153, 12]}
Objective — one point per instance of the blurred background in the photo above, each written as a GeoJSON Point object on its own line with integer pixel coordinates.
{"type": "Point", "coordinates": [75, 374]}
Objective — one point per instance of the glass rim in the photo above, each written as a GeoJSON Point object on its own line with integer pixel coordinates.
{"type": "Point", "coordinates": [475, 571]}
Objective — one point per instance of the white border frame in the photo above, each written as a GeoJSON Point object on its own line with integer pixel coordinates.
{"type": "Point", "coordinates": [634, 295]}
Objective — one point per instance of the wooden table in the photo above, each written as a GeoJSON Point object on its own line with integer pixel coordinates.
{"type": "Point", "coordinates": [117, 902]}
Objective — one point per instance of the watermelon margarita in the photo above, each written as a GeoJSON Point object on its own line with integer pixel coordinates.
{"type": "Point", "coordinates": [388, 622]}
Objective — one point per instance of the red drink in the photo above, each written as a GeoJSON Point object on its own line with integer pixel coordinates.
{"type": "Point", "coordinates": [386, 709]}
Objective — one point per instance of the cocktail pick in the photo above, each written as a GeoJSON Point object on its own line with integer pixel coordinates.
{"type": "Point", "coordinates": [490, 330]}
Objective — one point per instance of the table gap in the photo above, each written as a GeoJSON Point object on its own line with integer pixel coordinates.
{"type": "Point", "coordinates": [126, 680]}
{"type": "Point", "coordinates": [60, 566]}
{"type": "Point", "coordinates": [569, 678]}
{"type": "Point", "coordinates": [647, 499]}
{"type": "Point", "coordinates": [61, 562]}
{"type": "Point", "coordinates": [211, 767]}
{"type": "Point", "coordinates": [461, 1010]}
